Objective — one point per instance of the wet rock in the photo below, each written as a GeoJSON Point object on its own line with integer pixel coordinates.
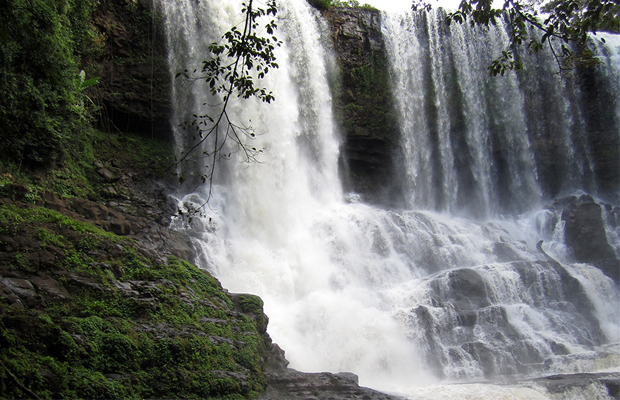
{"type": "Point", "coordinates": [461, 306]}
{"type": "Point", "coordinates": [370, 131]}
{"type": "Point", "coordinates": [53, 201]}
{"type": "Point", "coordinates": [504, 252]}
{"type": "Point", "coordinates": [109, 175]}
{"type": "Point", "coordinates": [565, 384]}
{"type": "Point", "coordinates": [126, 288]}
{"type": "Point", "coordinates": [115, 377]}
{"type": "Point", "coordinates": [214, 321]}
{"type": "Point", "coordinates": [8, 296]}
{"type": "Point", "coordinates": [217, 340]}
{"type": "Point", "coordinates": [78, 280]}
{"type": "Point", "coordinates": [468, 290]}
{"type": "Point", "coordinates": [584, 233]}
{"type": "Point", "coordinates": [97, 213]}
{"type": "Point", "coordinates": [163, 240]}
{"type": "Point", "coordinates": [110, 191]}
{"type": "Point", "coordinates": [294, 385]}
{"type": "Point", "coordinates": [118, 224]}
{"type": "Point", "coordinates": [49, 287]}
{"type": "Point", "coordinates": [20, 287]}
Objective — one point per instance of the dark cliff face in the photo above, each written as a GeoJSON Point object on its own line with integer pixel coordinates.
{"type": "Point", "coordinates": [602, 125]}
{"type": "Point", "coordinates": [585, 235]}
{"type": "Point", "coordinates": [363, 106]}
{"type": "Point", "coordinates": [134, 90]}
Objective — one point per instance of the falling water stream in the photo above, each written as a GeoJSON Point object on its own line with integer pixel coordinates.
{"type": "Point", "coordinates": [451, 289]}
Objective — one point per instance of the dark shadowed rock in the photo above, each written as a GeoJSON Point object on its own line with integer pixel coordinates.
{"type": "Point", "coordinates": [109, 175]}
{"type": "Point", "coordinates": [135, 79]}
{"type": "Point", "coordinates": [564, 384]}
{"type": "Point", "coordinates": [468, 289]}
{"type": "Point", "coordinates": [295, 385]}
{"type": "Point", "coordinates": [363, 106]}
{"type": "Point", "coordinates": [584, 233]}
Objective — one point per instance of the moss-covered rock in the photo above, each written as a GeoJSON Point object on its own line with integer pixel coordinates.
{"type": "Point", "coordinates": [85, 313]}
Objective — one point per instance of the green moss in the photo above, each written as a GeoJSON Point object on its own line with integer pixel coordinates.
{"type": "Point", "coordinates": [177, 335]}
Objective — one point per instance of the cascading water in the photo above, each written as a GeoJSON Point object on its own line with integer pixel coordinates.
{"type": "Point", "coordinates": [402, 298]}
{"type": "Point", "coordinates": [484, 145]}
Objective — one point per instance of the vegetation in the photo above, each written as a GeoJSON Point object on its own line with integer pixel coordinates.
{"type": "Point", "coordinates": [327, 4]}
{"type": "Point", "coordinates": [563, 27]}
{"type": "Point", "coordinates": [108, 319]}
{"type": "Point", "coordinates": [365, 101]}
{"type": "Point", "coordinates": [78, 175]}
{"type": "Point", "coordinates": [42, 108]}
{"type": "Point", "coordinates": [80, 327]}
{"type": "Point", "coordinates": [49, 54]}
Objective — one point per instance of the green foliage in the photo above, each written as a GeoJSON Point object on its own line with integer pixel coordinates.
{"type": "Point", "coordinates": [41, 110]}
{"type": "Point", "coordinates": [321, 4]}
{"type": "Point", "coordinates": [251, 304]}
{"type": "Point", "coordinates": [78, 176]}
{"type": "Point", "coordinates": [228, 71]}
{"type": "Point", "coordinates": [11, 216]}
{"type": "Point", "coordinates": [366, 101]}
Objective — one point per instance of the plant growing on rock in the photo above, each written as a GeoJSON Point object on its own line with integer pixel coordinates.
{"type": "Point", "coordinates": [102, 317]}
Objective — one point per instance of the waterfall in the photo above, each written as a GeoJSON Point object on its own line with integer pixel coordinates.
{"type": "Point", "coordinates": [281, 228]}
{"type": "Point", "coordinates": [483, 145]}
{"type": "Point", "coordinates": [403, 298]}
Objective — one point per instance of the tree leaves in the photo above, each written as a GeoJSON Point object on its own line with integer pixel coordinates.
{"type": "Point", "coordinates": [242, 53]}
{"type": "Point", "coordinates": [234, 66]}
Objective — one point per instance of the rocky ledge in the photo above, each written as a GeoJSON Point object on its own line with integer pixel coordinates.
{"type": "Point", "coordinates": [294, 385]}
{"type": "Point", "coordinates": [585, 234]}
{"type": "Point", "coordinates": [566, 384]}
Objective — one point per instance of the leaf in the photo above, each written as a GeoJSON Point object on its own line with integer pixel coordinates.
{"type": "Point", "coordinates": [90, 82]}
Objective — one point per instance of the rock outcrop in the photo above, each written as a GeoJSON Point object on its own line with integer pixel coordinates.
{"type": "Point", "coordinates": [134, 89]}
{"type": "Point", "coordinates": [295, 385]}
{"type": "Point", "coordinates": [85, 313]}
{"type": "Point", "coordinates": [565, 384]}
{"type": "Point", "coordinates": [363, 104]}
{"type": "Point", "coordinates": [461, 305]}
{"type": "Point", "coordinates": [584, 233]}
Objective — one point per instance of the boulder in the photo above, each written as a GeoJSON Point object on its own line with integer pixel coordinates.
{"type": "Point", "coordinates": [294, 385]}
{"type": "Point", "coordinates": [584, 233]}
